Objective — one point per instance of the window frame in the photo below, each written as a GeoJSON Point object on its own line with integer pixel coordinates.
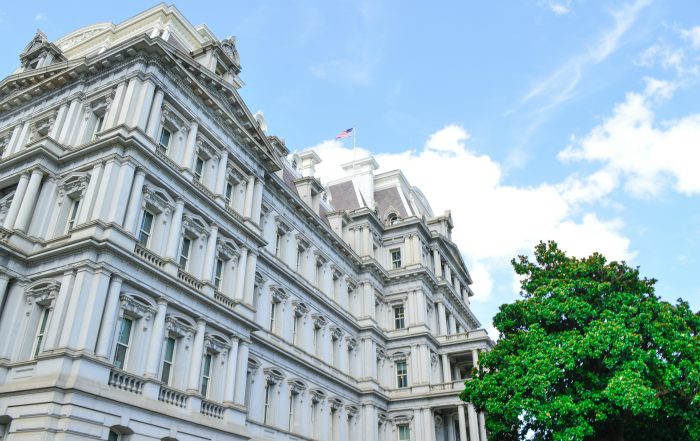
{"type": "Point", "coordinates": [72, 214]}
{"type": "Point", "coordinates": [40, 334]}
{"type": "Point", "coordinates": [148, 234]}
{"type": "Point", "coordinates": [120, 344]}
{"type": "Point", "coordinates": [164, 148]}
{"type": "Point", "coordinates": [198, 169]}
{"type": "Point", "coordinates": [205, 377]}
{"type": "Point", "coordinates": [399, 434]}
{"type": "Point", "coordinates": [395, 255]}
{"type": "Point", "coordinates": [401, 376]}
{"type": "Point", "coordinates": [168, 363]}
{"type": "Point", "coordinates": [185, 256]}
{"type": "Point", "coordinates": [218, 273]}
{"type": "Point", "coordinates": [399, 319]}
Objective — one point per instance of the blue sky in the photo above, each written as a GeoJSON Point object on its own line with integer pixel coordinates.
{"type": "Point", "coordinates": [569, 120]}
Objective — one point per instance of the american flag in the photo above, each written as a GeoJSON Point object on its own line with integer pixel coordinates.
{"type": "Point", "coordinates": [344, 134]}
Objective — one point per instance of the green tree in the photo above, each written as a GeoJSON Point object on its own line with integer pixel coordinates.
{"type": "Point", "coordinates": [589, 353]}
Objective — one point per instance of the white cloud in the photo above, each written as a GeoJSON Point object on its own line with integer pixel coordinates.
{"type": "Point", "coordinates": [559, 7]}
{"type": "Point", "coordinates": [493, 221]}
{"type": "Point", "coordinates": [558, 87]}
{"type": "Point", "coordinates": [692, 35]}
{"type": "Point", "coordinates": [650, 156]}
{"type": "Point", "coordinates": [40, 16]}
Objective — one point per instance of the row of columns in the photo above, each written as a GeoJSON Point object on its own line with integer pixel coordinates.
{"type": "Point", "coordinates": [22, 206]}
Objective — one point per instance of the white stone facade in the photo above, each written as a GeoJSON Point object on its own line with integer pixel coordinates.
{"type": "Point", "coordinates": [167, 273]}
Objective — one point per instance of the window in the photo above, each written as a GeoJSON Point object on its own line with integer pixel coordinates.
{"type": "Point", "coordinates": [198, 168]}
{"type": "Point", "coordinates": [316, 331]}
{"type": "Point", "coordinates": [392, 219]}
{"type": "Point", "coordinates": [168, 357]}
{"type": "Point", "coordinates": [278, 244]}
{"type": "Point", "coordinates": [266, 408]}
{"type": "Point", "coordinates": [123, 339]}
{"type": "Point", "coordinates": [401, 374]}
{"type": "Point", "coordinates": [164, 142]}
{"type": "Point", "coordinates": [273, 311]}
{"type": "Point", "coordinates": [72, 214]}
{"type": "Point", "coordinates": [396, 259]}
{"type": "Point", "coordinates": [98, 126]}
{"type": "Point", "coordinates": [218, 272]}
{"type": "Point", "coordinates": [228, 193]}
{"type": "Point", "coordinates": [295, 329]}
{"type": "Point", "coordinates": [319, 274]}
{"type": "Point", "coordinates": [206, 374]}
{"type": "Point", "coordinates": [300, 253]}
{"type": "Point", "coordinates": [185, 252]}
{"type": "Point", "coordinates": [291, 412]}
{"type": "Point", "coordinates": [399, 317]}
{"type": "Point", "coordinates": [145, 229]}
{"type": "Point", "coordinates": [113, 436]}
{"type": "Point", "coordinates": [40, 332]}
{"type": "Point", "coordinates": [403, 432]}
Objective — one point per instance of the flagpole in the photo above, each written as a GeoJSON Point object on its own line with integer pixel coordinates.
{"type": "Point", "coordinates": [354, 152]}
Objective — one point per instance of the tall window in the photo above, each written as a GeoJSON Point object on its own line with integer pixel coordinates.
{"type": "Point", "coordinates": [168, 358]}
{"type": "Point", "coordinates": [72, 214]}
{"type": "Point", "coordinates": [206, 374]}
{"type": "Point", "coordinates": [145, 228]}
{"type": "Point", "coordinates": [395, 258]}
{"type": "Point", "coordinates": [198, 168]}
{"type": "Point", "coordinates": [228, 193]}
{"type": "Point", "coordinates": [278, 244]}
{"type": "Point", "coordinates": [404, 432]}
{"type": "Point", "coordinates": [123, 340]}
{"type": "Point", "coordinates": [218, 273]}
{"type": "Point", "coordinates": [40, 332]}
{"type": "Point", "coordinates": [164, 142]}
{"type": "Point", "coordinates": [295, 329]}
{"type": "Point", "coordinates": [300, 253]}
{"type": "Point", "coordinates": [185, 252]}
{"type": "Point", "coordinates": [113, 436]}
{"type": "Point", "coordinates": [399, 317]}
{"type": "Point", "coordinates": [98, 126]}
{"type": "Point", "coordinates": [319, 274]}
{"type": "Point", "coordinates": [266, 408]}
{"type": "Point", "coordinates": [273, 311]}
{"type": "Point", "coordinates": [401, 374]}
{"type": "Point", "coordinates": [290, 427]}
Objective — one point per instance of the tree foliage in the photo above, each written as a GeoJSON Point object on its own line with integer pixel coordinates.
{"type": "Point", "coordinates": [589, 353]}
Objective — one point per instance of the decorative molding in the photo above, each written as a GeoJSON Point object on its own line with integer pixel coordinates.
{"type": "Point", "coordinates": [177, 326]}
{"type": "Point", "coordinates": [273, 375]}
{"type": "Point", "coordinates": [42, 292]}
{"type": "Point", "coordinates": [136, 308]}
{"type": "Point", "coordinates": [296, 386]}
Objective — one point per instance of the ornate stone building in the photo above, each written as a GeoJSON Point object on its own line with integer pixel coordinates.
{"type": "Point", "coordinates": [169, 272]}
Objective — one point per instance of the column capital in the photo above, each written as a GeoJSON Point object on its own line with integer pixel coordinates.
{"type": "Point", "coordinates": [162, 301]}
{"type": "Point", "coordinates": [140, 171]}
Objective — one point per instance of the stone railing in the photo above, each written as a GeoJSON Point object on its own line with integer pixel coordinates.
{"type": "Point", "coordinates": [172, 396]}
{"type": "Point", "coordinates": [211, 409]}
{"type": "Point", "coordinates": [221, 298]}
{"type": "Point", "coordinates": [189, 279]}
{"type": "Point", "coordinates": [124, 381]}
{"type": "Point", "coordinates": [148, 256]}
{"type": "Point", "coordinates": [442, 386]}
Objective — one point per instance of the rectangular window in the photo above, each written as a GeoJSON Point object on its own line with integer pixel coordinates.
{"type": "Point", "coordinates": [164, 142]}
{"type": "Point", "coordinates": [300, 253]}
{"type": "Point", "coordinates": [273, 310]}
{"type": "Point", "coordinates": [198, 168]}
{"type": "Point", "coordinates": [295, 329]}
{"type": "Point", "coordinates": [396, 259]}
{"type": "Point", "coordinates": [278, 244]}
{"type": "Point", "coordinates": [399, 317]}
{"type": "Point", "coordinates": [228, 194]}
{"type": "Point", "coordinates": [319, 275]}
{"type": "Point", "coordinates": [218, 273]}
{"type": "Point", "coordinates": [98, 126]}
{"type": "Point", "coordinates": [123, 339]}
{"type": "Point", "coordinates": [185, 252]}
{"type": "Point", "coordinates": [266, 408]}
{"type": "Point", "coordinates": [168, 357]}
{"type": "Point", "coordinates": [291, 412]}
{"type": "Point", "coordinates": [401, 374]}
{"type": "Point", "coordinates": [404, 432]}
{"type": "Point", "coordinates": [206, 374]}
{"type": "Point", "coordinates": [40, 332]}
{"type": "Point", "coordinates": [72, 214]}
{"type": "Point", "coordinates": [145, 229]}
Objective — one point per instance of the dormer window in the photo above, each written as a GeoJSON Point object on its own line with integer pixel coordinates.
{"type": "Point", "coordinates": [164, 142]}
{"type": "Point", "coordinates": [392, 219]}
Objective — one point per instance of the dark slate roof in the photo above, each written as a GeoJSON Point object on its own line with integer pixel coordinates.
{"type": "Point", "coordinates": [343, 196]}
{"type": "Point", "coordinates": [389, 199]}
{"type": "Point", "coordinates": [288, 179]}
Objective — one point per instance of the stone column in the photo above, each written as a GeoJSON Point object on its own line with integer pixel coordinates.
{"type": "Point", "coordinates": [438, 263]}
{"type": "Point", "coordinates": [113, 112]}
{"type": "Point", "coordinates": [462, 423]}
{"type": "Point", "coordinates": [442, 318]}
{"type": "Point", "coordinates": [196, 358]}
{"type": "Point", "coordinates": [190, 144]}
{"type": "Point", "coordinates": [16, 203]}
{"type": "Point", "coordinates": [122, 187]}
{"type": "Point", "coordinates": [175, 227]}
{"type": "Point", "coordinates": [446, 375]}
{"type": "Point", "coordinates": [68, 123]}
{"type": "Point", "coordinates": [53, 132]}
{"type": "Point", "coordinates": [428, 425]}
{"type": "Point", "coordinates": [134, 206]}
{"type": "Point", "coordinates": [240, 274]}
{"type": "Point", "coordinates": [221, 174]}
{"type": "Point", "coordinates": [157, 336]}
{"type": "Point", "coordinates": [154, 114]}
{"type": "Point", "coordinates": [29, 200]}
{"type": "Point", "coordinates": [129, 96]}
{"type": "Point", "coordinates": [231, 369]}
{"type": "Point", "coordinates": [106, 189]}
{"type": "Point", "coordinates": [473, 423]}
{"type": "Point", "coordinates": [210, 254]}
{"type": "Point", "coordinates": [475, 357]}
{"type": "Point", "coordinates": [144, 105]}
{"type": "Point", "coordinates": [482, 426]}
{"type": "Point", "coordinates": [250, 277]}
{"type": "Point", "coordinates": [450, 425]}
{"type": "Point", "coordinates": [89, 199]}
{"type": "Point", "coordinates": [248, 204]}
{"type": "Point", "coordinates": [257, 200]}
{"type": "Point", "coordinates": [241, 373]}
{"type": "Point", "coordinates": [109, 318]}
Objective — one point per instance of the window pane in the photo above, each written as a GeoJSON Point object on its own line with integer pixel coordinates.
{"type": "Point", "coordinates": [125, 331]}
{"type": "Point", "coordinates": [169, 349]}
